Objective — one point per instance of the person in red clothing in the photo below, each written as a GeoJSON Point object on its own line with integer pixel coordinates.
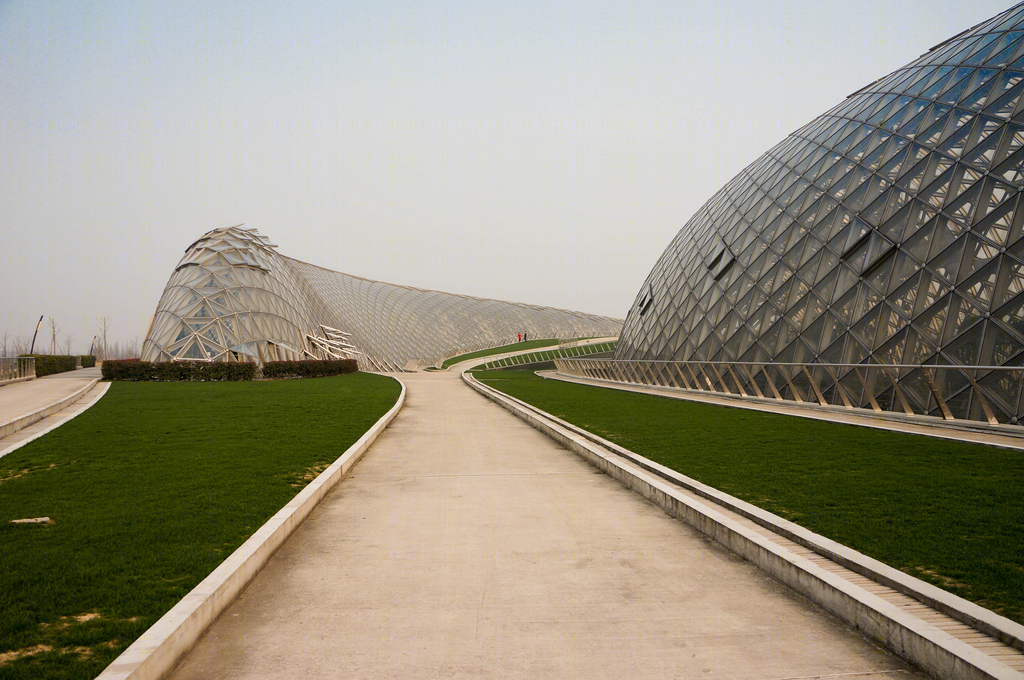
{"type": "Point", "coordinates": [520, 337]}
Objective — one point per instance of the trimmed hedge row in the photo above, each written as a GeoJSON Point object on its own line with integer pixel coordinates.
{"type": "Point", "coordinates": [309, 368]}
{"type": "Point", "coordinates": [48, 364]}
{"type": "Point", "coordinates": [177, 371]}
{"type": "Point", "coordinates": [182, 371]}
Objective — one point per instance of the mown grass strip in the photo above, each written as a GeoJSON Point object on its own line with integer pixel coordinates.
{"type": "Point", "coordinates": [149, 490]}
{"type": "Point", "coordinates": [947, 512]}
{"type": "Point", "coordinates": [514, 347]}
{"type": "Point", "coordinates": [549, 355]}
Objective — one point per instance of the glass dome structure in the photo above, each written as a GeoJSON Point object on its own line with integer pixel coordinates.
{"type": "Point", "coordinates": [888, 230]}
{"type": "Point", "coordinates": [233, 297]}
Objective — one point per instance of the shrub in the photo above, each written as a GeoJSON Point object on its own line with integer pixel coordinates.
{"type": "Point", "coordinates": [88, 360]}
{"type": "Point", "coordinates": [309, 369]}
{"type": "Point", "coordinates": [177, 371]}
{"type": "Point", "coordinates": [48, 364]}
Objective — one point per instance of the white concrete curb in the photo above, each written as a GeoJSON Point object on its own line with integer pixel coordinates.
{"type": "Point", "coordinates": [61, 417]}
{"type": "Point", "coordinates": [158, 650]}
{"type": "Point", "coordinates": [923, 644]}
{"type": "Point", "coordinates": [13, 426]}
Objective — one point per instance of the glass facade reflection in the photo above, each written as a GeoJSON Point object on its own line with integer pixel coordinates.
{"type": "Point", "coordinates": [233, 297]}
{"type": "Point", "coordinates": [888, 230]}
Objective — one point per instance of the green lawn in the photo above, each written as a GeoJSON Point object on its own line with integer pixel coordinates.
{"type": "Point", "coordinates": [548, 356]}
{"type": "Point", "coordinates": [150, 490]}
{"type": "Point", "coordinates": [514, 347]}
{"type": "Point", "coordinates": [947, 512]}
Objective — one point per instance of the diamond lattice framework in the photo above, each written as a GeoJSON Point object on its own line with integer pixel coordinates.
{"type": "Point", "coordinates": [233, 297]}
{"type": "Point", "coordinates": [888, 230]}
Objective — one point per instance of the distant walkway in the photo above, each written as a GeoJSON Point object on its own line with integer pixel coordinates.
{"type": "Point", "coordinates": [468, 545]}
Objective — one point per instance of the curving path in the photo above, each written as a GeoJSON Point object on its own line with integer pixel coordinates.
{"type": "Point", "coordinates": [468, 545]}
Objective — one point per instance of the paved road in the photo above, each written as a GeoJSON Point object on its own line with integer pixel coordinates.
{"type": "Point", "coordinates": [467, 545]}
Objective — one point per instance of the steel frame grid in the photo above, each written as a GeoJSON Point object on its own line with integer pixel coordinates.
{"type": "Point", "coordinates": [858, 387]}
{"type": "Point", "coordinates": [889, 230]}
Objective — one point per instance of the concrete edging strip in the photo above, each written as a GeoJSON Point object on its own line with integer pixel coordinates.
{"type": "Point", "coordinates": [59, 418]}
{"type": "Point", "coordinates": [157, 651]}
{"type": "Point", "coordinates": [21, 423]}
{"type": "Point", "coordinates": [923, 644]}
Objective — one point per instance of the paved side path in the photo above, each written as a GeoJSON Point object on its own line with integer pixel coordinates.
{"type": "Point", "coordinates": [468, 545]}
{"type": "Point", "coordinates": [23, 398]}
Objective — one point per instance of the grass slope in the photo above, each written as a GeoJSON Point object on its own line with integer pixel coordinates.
{"type": "Point", "coordinates": [150, 490]}
{"type": "Point", "coordinates": [547, 356]}
{"type": "Point", "coordinates": [514, 347]}
{"type": "Point", "coordinates": [947, 512]}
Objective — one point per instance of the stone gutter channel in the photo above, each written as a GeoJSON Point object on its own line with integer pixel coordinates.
{"type": "Point", "coordinates": [941, 633]}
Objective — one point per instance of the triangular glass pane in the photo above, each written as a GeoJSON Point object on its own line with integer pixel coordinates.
{"type": "Point", "coordinates": [878, 277]}
{"type": "Point", "coordinates": [845, 307]}
{"type": "Point", "coordinates": [938, 82]}
{"type": "Point", "coordinates": [975, 100]}
{"type": "Point", "coordinates": [978, 254]}
{"type": "Point", "coordinates": [980, 288]}
{"type": "Point", "coordinates": [955, 144]}
{"type": "Point", "coordinates": [908, 122]}
{"type": "Point", "coordinates": [1012, 314]}
{"type": "Point", "coordinates": [932, 322]}
{"type": "Point", "coordinates": [952, 95]}
{"type": "Point", "coordinates": [903, 299]}
{"type": "Point", "coordinates": [1004, 106]}
{"type": "Point", "coordinates": [866, 328]}
{"type": "Point", "coordinates": [931, 135]}
{"type": "Point", "coordinates": [1013, 139]}
{"type": "Point", "coordinates": [917, 348]}
{"type": "Point", "coordinates": [966, 348]}
{"type": "Point", "coordinates": [962, 207]}
{"type": "Point", "coordinates": [919, 242]}
{"type": "Point", "coordinates": [907, 222]}
{"type": "Point", "coordinates": [1012, 170]}
{"type": "Point", "coordinates": [958, 119]}
{"type": "Point", "coordinates": [1003, 53]}
{"type": "Point", "coordinates": [935, 194]}
{"type": "Point", "coordinates": [981, 156]}
{"type": "Point", "coordinates": [1000, 345]}
{"type": "Point", "coordinates": [947, 263]}
{"type": "Point", "coordinates": [891, 351]}
{"type": "Point", "coordinates": [931, 290]}
{"type": "Point", "coordinates": [892, 169]}
{"type": "Point", "coordinates": [996, 201]}
{"type": "Point", "coordinates": [1010, 283]}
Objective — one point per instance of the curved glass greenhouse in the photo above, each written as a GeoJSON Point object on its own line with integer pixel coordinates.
{"type": "Point", "coordinates": [888, 230]}
{"type": "Point", "coordinates": [233, 297]}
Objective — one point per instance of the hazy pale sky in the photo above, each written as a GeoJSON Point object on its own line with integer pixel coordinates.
{"type": "Point", "coordinates": [535, 151]}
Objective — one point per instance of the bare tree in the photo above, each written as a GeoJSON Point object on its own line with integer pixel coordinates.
{"type": "Point", "coordinates": [67, 343]}
{"type": "Point", "coordinates": [19, 346]}
{"type": "Point", "coordinates": [54, 331]}
{"type": "Point", "coordinates": [3, 353]}
{"type": "Point", "coordinates": [104, 327]}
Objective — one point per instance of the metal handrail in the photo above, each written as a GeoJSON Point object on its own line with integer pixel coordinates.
{"type": "Point", "coordinates": [17, 368]}
{"type": "Point", "coordinates": [991, 394]}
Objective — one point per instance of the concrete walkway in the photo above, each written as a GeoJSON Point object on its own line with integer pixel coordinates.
{"type": "Point", "coordinates": [467, 545]}
{"type": "Point", "coordinates": [23, 398]}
